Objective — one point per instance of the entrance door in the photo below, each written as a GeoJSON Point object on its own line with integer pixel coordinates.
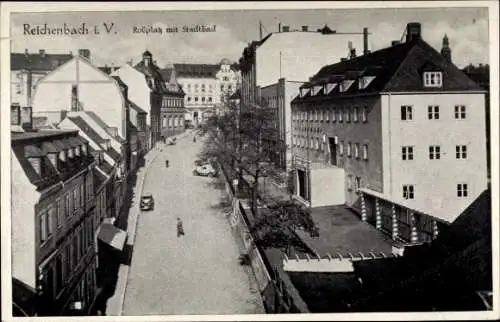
{"type": "Point", "coordinates": [301, 176]}
{"type": "Point", "coordinates": [333, 151]}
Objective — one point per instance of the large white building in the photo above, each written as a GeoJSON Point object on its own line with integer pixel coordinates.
{"type": "Point", "coordinates": [403, 124]}
{"type": "Point", "coordinates": [207, 86]}
{"type": "Point", "coordinates": [26, 69]}
{"type": "Point", "coordinates": [77, 85]}
{"type": "Point", "coordinates": [293, 55]}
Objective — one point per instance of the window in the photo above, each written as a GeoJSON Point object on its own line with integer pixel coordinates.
{"type": "Point", "coordinates": [222, 88]}
{"type": "Point", "coordinates": [355, 111]}
{"type": "Point", "coordinates": [202, 87]}
{"type": "Point", "coordinates": [459, 112]}
{"type": "Point", "coordinates": [408, 191]}
{"type": "Point", "coordinates": [196, 99]}
{"type": "Point", "coordinates": [434, 152]}
{"type": "Point", "coordinates": [340, 116]}
{"type": "Point", "coordinates": [462, 190]}
{"type": "Point", "coordinates": [67, 204]}
{"type": "Point", "coordinates": [347, 115]}
{"type": "Point", "coordinates": [327, 115]}
{"type": "Point", "coordinates": [365, 151]}
{"type": "Point", "coordinates": [341, 148]}
{"type": "Point", "coordinates": [356, 150]}
{"type": "Point", "coordinates": [75, 200]}
{"type": "Point", "coordinates": [334, 113]}
{"type": "Point", "coordinates": [59, 273]}
{"type": "Point", "coordinates": [50, 221]}
{"type": "Point", "coordinates": [406, 112]}
{"type": "Point", "coordinates": [59, 214]}
{"type": "Point", "coordinates": [43, 227]}
{"type": "Point", "coordinates": [433, 79]}
{"type": "Point", "coordinates": [407, 153]}
{"type": "Point", "coordinates": [433, 112]}
{"type": "Point", "coordinates": [210, 99]}
{"type": "Point", "coordinates": [349, 149]}
{"type": "Point", "coordinates": [461, 151]}
{"type": "Point", "coordinates": [69, 264]}
{"type": "Point", "coordinates": [364, 116]}
{"type": "Point", "coordinates": [357, 182]}
{"type": "Point", "coordinates": [203, 99]}
{"type": "Point", "coordinates": [189, 99]}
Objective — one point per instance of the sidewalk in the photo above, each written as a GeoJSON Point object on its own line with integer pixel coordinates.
{"type": "Point", "coordinates": [115, 303]}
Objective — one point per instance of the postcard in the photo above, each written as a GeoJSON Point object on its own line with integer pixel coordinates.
{"type": "Point", "coordinates": [250, 161]}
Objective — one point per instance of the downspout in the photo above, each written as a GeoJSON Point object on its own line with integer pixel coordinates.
{"type": "Point", "coordinates": [390, 146]}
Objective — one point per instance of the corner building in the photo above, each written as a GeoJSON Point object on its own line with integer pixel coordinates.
{"type": "Point", "coordinates": [402, 123]}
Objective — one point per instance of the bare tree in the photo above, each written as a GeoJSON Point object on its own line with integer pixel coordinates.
{"type": "Point", "coordinates": [237, 140]}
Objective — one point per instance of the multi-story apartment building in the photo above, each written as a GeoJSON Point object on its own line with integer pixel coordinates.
{"type": "Point", "coordinates": [274, 67]}
{"type": "Point", "coordinates": [107, 150]}
{"type": "Point", "coordinates": [166, 99]}
{"type": "Point", "coordinates": [278, 97]}
{"type": "Point", "coordinates": [402, 123]}
{"type": "Point", "coordinates": [207, 86]}
{"type": "Point", "coordinates": [293, 55]}
{"type": "Point", "coordinates": [26, 69]}
{"type": "Point", "coordinates": [53, 219]}
{"type": "Point", "coordinates": [82, 87]}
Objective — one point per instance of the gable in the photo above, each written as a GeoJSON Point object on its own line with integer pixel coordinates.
{"type": "Point", "coordinates": [422, 58]}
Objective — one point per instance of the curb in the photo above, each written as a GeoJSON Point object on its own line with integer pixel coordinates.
{"type": "Point", "coordinates": [124, 270]}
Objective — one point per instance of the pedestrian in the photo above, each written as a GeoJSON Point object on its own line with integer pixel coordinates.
{"type": "Point", "coordinates": [194, 138]}
{"type": "Point", "coordinates": [180, 228]}
{"type": "Point", "coordinates": [166, 163]}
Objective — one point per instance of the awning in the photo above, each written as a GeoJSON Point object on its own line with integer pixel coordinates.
{"type": "Point", "coordinates": [112, 236]}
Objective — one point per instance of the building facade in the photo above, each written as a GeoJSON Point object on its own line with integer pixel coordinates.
{"type": "Point", "coordinates": [402, 122]}
{"type": "Point", "coordinates": [207, 86]}
{"type": "Point", "coordinates": [166, 98]}
{"type": "Point", "coordinates": [278, 97]}
{"type": "Point", "coordinates": [53, 219]}
{"type": "Point", "coordinates": [26, 69]}
{"type": "Point", "coordinates": [278, 56]}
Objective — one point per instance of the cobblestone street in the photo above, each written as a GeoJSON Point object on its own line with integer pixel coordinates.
{"type": "Point", "coordinates": [198, 273]}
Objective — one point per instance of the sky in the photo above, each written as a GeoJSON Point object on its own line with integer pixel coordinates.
{"type": "Point", "coordinates": [467, 30]}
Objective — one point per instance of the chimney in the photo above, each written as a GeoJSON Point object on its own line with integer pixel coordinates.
{"type": "Point", "coordinates": [352, 53]}
{"type": "Point", "coordinates": [26, 118]}
{"type": "Point", "coordinates": [413, 31]}
{"type": "Point", "coordinates": [84, 53]}
{"type": "Point", "coordinates": [286, 28]}
{"type": "Point", "coordinates": [42, 52]}
{"type": "Point", "coordinates": [305, 28]}
{"type": "Point", "coordinates": [395, 42]}
{"type": "Point", "coordinates": [365, 41]}
{"type": "Point", "coordinates": [15, 114]}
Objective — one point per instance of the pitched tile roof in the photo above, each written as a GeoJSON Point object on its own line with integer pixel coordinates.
{"type": "Point", "coordinates": [115, 155]}
{"type": "Point", "coordinates": [396, 68]}
{"type": "Point", "coordinates": [38, 134]}
{"type": "Point", "coordinates": [196, 70]}
{"type": "Point", "coordinates": [136, 107]}
{"type": "Point", "coordinates": [40, 62]}
{"type": "Point", "coordinates": [87, 129]}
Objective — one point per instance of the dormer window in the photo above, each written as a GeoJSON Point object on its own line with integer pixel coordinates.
{"type": "Point", "coordinates": [365, 81]}
{"type": "Point", "coordinates": [77, 151]}
{"type": "Point", "coordinates": [62, 155]}
{"type": "Point", "coordinates": [433, 79]}
{"type": "Point", "coordinates": [52, 158]}
{"type": "Point", "coordinates": [304, 91]}
{"type": "Point", "coordinates": [330, 87]}
{"type": "Point", "coordinates": [36, 163]}
{"type": "Point", "coordinates": [70, 153]}
{"type": "Point", "coordinates": [344, 85]}
{"type": "Point", "coordinates": [316, 90]}
{"type": "Point", "coordinates": [84, 149]}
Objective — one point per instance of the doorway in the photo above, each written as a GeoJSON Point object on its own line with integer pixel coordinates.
{"type": "Point", "coordinates": [333, 151]}
{"type": "Point", "coordinates": [301, 177]}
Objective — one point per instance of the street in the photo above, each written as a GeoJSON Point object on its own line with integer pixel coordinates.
{"type": "Point", "coordinates": [197, 273]}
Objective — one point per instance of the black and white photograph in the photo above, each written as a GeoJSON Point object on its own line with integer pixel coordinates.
{"type": "Point", "coordinates": [250, 161]}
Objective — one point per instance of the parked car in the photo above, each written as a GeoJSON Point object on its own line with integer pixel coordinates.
{"type": "Point", "coordinates": [205, 170]}
{"type": "Point", "coordinates": [147, 202]}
